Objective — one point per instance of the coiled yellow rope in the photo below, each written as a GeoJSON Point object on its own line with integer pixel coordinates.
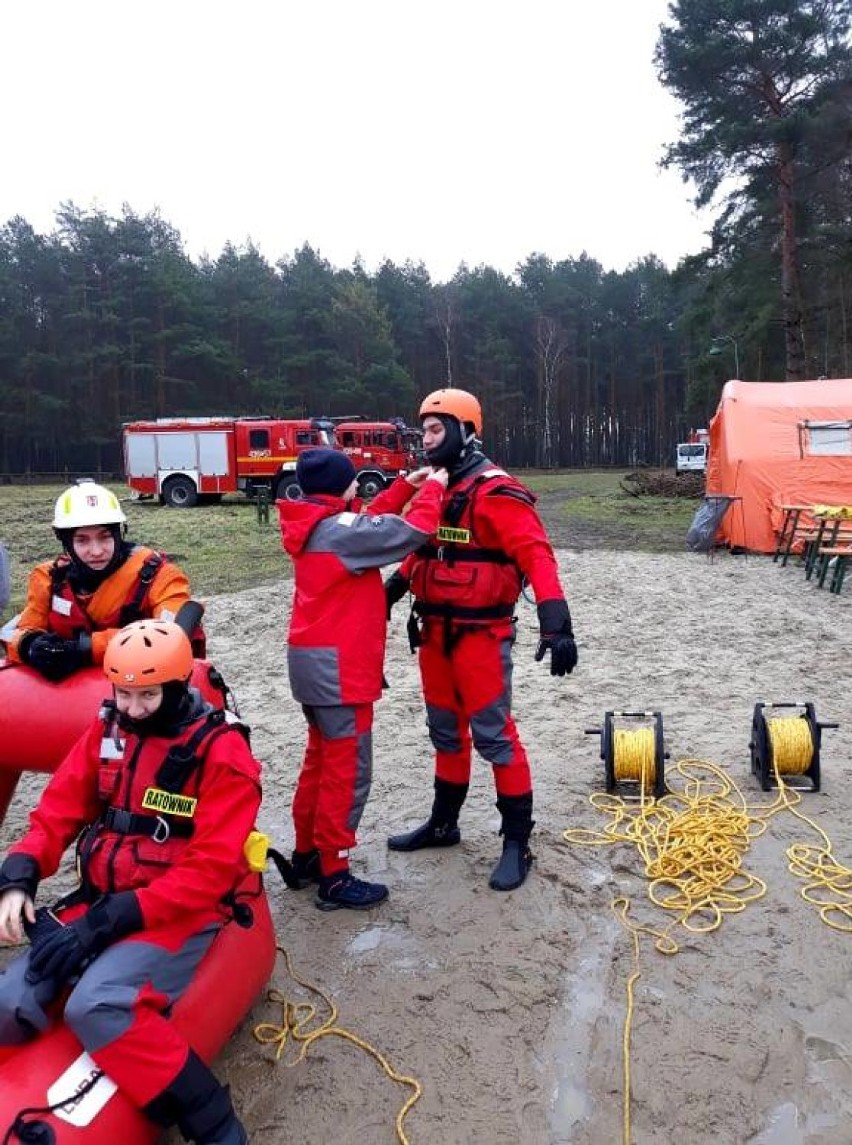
{"type": "Point", "coordinates": [693, 842]}
{"type": "Point", "coordinates": [792, 744]}
{"type": "Point", "coordinates": [296, 1017]}
{"type": "Point", "coordinates": [634, 756]}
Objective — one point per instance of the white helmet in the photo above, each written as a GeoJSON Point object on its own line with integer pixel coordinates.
{"type": "Point", "coordinates": [86, 504]}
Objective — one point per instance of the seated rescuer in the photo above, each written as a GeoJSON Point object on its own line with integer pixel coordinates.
{"type": "Point", "coordinates": [466, 583]}
{"type": "Point", "coordinates": [336, 648]}
{"type": "Point", "coordinates": [77, 602]}
{"type": "Point", "coordinates": [155, 888]}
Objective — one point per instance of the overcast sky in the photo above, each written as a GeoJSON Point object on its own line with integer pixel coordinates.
{"type": "Point", "coordinates": [447, 131]}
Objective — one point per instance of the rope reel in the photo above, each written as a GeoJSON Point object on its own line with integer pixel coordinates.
{"type": "Point", "coordinates": [786, 746]}
{"type": "Point", "coordinates": [633, 751]}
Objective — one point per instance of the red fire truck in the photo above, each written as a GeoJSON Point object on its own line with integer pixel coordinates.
{"type": "Point", "coordinates": [184, 460]}
{"type": "Point", "coordinates": [380, 451]}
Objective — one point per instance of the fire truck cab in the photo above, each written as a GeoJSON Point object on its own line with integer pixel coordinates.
{"type": "Point", "coordinates": [184, 460]}
{"type": "Point", "coordinates": [379, 450]}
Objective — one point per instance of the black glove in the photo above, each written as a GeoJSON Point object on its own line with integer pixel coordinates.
{"type": "Point", "coordinates": [63, 951]}
{"type": "Point", "coordinates": [557, 635]}
{"type": "Point", "coordinates": [54, 657]}
{"type": "Point", "coordinates": [20, 872]}
{"type": "Point", "coordinates": [396, 586]}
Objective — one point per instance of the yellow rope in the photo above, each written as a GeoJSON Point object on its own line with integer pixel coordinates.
{"type": "Point", "coordinates": [792, 744]}
{"type": "Point", "coordinates": [666, 945]}
{"type": "Point", "coordinates": [828, 883]}
{"type": "Point", "coordinates": [634, 756]}
{"type": "Point", "coordinates": [295, 1019]}
{"type": "Point", "coordinates": [692, 843]}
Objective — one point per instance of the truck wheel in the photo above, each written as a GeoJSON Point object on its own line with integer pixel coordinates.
{"type": "Point", "coordinates": [180, 493]}
{"type": "Point", "coordinates": [369, 484]}
{"type": "Point", "coordinates": [288, 489]}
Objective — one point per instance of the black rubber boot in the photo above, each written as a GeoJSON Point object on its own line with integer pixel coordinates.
{"type": "Point", "coordinates": [441, 828]}
{"type": "Point", "coordinates": [306, 867]}
{"type": "Point", "coordinates": [517, 858]}
{"type": "Point", "coordinates": [199, 1106]}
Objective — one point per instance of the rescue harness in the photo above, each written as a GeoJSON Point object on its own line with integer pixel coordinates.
{"type": "Point", "coordinates": [131, 610]}
{"type": "Point", "coordinates": [174, 773]}
{"type": "Point", "coordinates": [457, 545]}
{"type": "Point", "coordinates": [182, 762]}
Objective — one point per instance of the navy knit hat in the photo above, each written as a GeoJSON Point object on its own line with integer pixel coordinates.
{"type": "Point", "coordinates": [324, 471]}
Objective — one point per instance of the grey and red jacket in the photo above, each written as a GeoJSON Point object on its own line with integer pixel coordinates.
{"type": "Point", "coordinates": [336, 642]}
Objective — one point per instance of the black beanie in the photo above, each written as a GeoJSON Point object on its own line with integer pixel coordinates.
{"type": "Point", "coordinates": [324, 471]}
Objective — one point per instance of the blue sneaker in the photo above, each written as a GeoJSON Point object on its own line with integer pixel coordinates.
{"type": "Point", "coordinates": [343, 891]}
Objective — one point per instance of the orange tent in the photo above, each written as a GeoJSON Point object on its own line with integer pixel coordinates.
{"type": "Point", "coordinates": [779, 443]}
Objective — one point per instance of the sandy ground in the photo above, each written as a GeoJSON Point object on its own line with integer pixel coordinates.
{"type": "Point", "coordinates": [510, 1008]}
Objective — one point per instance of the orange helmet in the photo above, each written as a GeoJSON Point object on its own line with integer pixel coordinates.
{"type": "Point", "coordinates": [456, 403]}
{"type": "Point", "coordinates": [148, 652]}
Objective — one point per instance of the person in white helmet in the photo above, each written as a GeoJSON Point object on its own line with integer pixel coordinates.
{"type": "Point", "coordinates": [98, 584]}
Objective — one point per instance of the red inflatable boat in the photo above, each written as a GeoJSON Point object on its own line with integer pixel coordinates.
{"type": "Point", "coordinates": [41, 721]}
{"type": "Point", "coordinates": [54, 1068]}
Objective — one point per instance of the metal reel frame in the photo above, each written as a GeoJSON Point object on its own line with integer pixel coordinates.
{"type": "Point", "coordinates": [763, 757]}
{"type": "Point", "coordinates": [607, 734]}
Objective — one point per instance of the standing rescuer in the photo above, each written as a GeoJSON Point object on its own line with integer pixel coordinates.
{"type": "Point", "coordinates": [336, 648]}
{"type": "Point", "coordinates": [155, 887]}
{"type": "Point", "coordinates": [465, 583]}
{"type": "Point", "coordinates": [100, 582]}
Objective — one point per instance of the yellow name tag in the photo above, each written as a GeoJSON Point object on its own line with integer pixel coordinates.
{"type": "Point", "coordinates": [155, 799]}
{"type": "Point", "coordinates": [455, 536]}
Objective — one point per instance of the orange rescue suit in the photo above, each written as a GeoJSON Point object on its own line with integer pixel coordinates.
{"type": "Point", "coordinates": [53, 606]}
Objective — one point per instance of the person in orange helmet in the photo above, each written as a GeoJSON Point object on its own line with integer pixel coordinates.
{"type": "Point", "coordinates": [465, 583]}
{"type": "Point", "coordinates": [154, 885]}
{"type": "Point", "coordinates": [99, 583]}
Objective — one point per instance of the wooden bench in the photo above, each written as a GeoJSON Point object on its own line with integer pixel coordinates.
{"type": "Point", "coordinates": [792, 528]}
{"type": "Point", "coordinates": [840, 555]}
{"type": "Point", "coordinates": [831, 531]}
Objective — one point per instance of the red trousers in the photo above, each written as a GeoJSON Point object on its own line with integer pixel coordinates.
{"type": "Point", "coordinates": [334, 783]}
{"type": "Point", "coordinates": [468, 693]}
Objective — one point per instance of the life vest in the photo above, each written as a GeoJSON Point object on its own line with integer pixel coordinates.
{"type": "Point", "coordinates": [68, 617]}
{"type": "Point", "coordinates": [148, 803]}
{"type": "Point", "coordinates": [455, 576]}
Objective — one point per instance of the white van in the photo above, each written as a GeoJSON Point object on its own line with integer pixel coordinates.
{"type": "Point", "coordinates": [691, 457]}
